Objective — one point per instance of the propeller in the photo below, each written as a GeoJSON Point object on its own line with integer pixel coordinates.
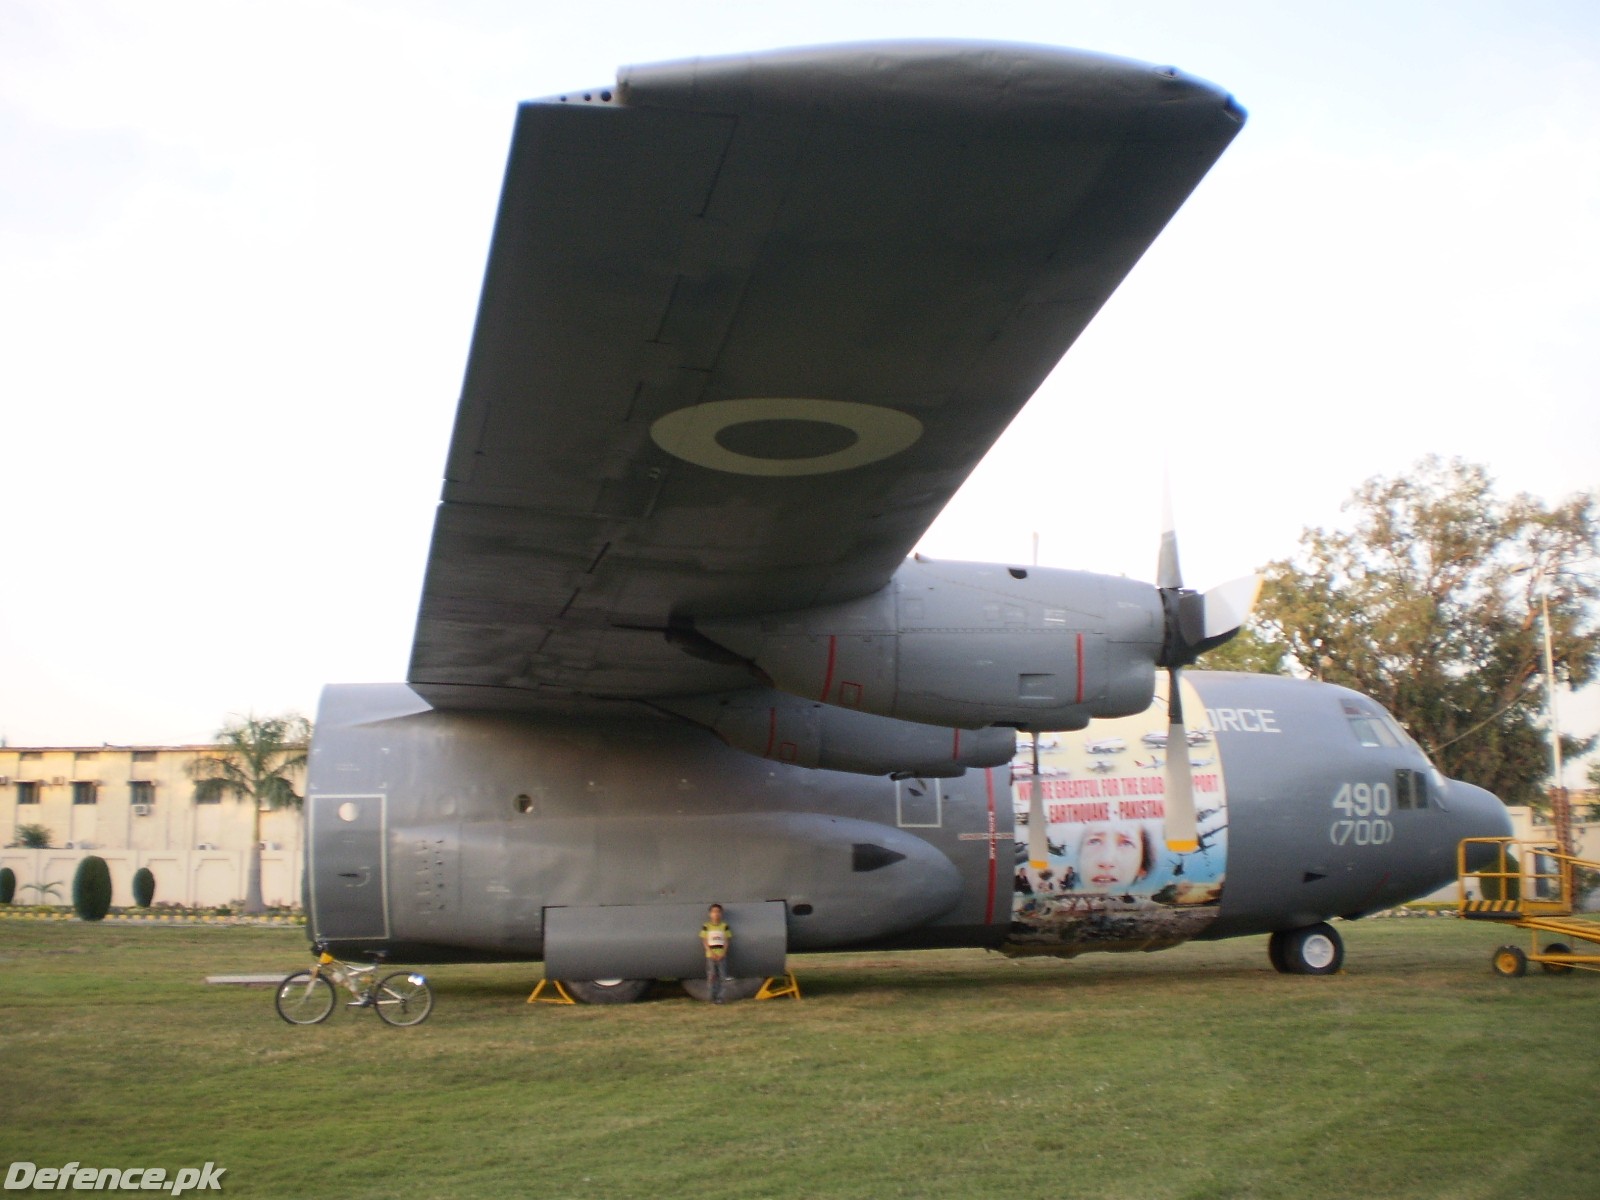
{"type": "Point", "coordinates": [1038, 841]}
{"type": "Point", "coordinates": [1195, 623]}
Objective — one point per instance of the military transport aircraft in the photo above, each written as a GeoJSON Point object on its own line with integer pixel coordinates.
{"type": "Point", "coordinates": [746, 326]}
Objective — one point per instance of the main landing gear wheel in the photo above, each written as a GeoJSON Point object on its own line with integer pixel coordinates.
{"type": "Point", "coordinates": [732, 989]}
{"type": "Point", "coordinates": [1315, 950]}
{"type": "Point", "coordinates": [606, 991]}
{"type": "Point", "coordinates": [1510, 962]}
{"type": "Point", "coordinates": [1557, 968]}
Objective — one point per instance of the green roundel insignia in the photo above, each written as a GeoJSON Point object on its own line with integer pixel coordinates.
{"type": "Point", "coordinates": [784, 436]}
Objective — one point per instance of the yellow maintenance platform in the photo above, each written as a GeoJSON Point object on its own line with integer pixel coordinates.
{"type": "Point", "coordinates": [1530, 885]}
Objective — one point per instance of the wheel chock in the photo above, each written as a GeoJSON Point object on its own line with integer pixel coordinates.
{"type": "Point", "coordinates": [779, 985]}
{"type": "Point", "coordinates": [560, 993]}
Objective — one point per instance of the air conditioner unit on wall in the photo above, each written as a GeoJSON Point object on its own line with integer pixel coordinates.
{"type": "Point", "coordinates": [5, 781]}
{"type": "Point", "coordinates": [58, 781]}
{"type": "Point", "coordinates": [141, 810]}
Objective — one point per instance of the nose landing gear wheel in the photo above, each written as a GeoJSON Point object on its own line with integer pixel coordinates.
{"type": "Point", "coordinates": [1315, 950]}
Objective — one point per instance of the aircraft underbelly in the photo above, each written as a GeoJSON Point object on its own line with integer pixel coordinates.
{"type": "Point", "coordinates": [844, 881]}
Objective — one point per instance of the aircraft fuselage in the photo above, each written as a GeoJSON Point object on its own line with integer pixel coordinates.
{"type": "Point", "coordinates": [587, 840]}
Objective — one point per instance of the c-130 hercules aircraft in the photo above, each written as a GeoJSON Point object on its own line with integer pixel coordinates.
{"type": "Point", "coordinates": [747, 324]}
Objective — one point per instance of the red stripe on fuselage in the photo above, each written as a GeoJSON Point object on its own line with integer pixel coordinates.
{"type": "Point", "coordinates": [827, 678]}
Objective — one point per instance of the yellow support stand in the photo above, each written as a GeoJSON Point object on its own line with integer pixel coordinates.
{"type": "Point", "coordinates": [1530, 885]}
{"type": "Point", "coordinates": [779, 985]}
{"type": "Point", "coordinates": [560, 996]}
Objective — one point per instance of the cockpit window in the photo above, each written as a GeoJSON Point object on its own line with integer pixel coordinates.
{"type": "Point", "coordinates": [1369, 727]}
{"type": "Point", "coordinates": [1373, 726]}
{"type": "Point", "coordinates": [1370, 732]}
{"type": "Point", "coordinates": [1403, 738]}
{"type": "Point", "coordinates": [1410, 789]}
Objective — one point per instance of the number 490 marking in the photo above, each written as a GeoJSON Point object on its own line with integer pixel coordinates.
{"type": "Point", "coordinates": [1362, 804]}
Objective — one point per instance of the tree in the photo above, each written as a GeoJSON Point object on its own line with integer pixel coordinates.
{"type": "Point", "coordinates": [34, 836]}
{"type": "Point", "coordinates": [1430, 602]}
{"type": "Point", "coordinates": [1248, 650]}
{"type": "Point", "coordinates": [91, 888]}
{"type": "Point", "coordinates": [253, 761]}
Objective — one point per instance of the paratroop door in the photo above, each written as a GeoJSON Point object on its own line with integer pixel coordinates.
{"type": "Point", "coordinates": [349, 892]}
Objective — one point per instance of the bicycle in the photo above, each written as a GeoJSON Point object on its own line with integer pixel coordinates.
{"type": "Point", "coordinates": [307, 997]}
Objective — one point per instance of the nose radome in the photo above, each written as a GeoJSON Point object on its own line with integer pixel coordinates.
{"type": "Point", "coordinates": [1478, 813]}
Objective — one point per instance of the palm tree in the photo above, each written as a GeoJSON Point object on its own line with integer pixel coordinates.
{"type": "Point", "coordinates": [253, 760]}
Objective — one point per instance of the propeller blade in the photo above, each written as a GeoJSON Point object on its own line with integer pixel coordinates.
{"type": "Point", "coordinates": [1169, 576]}
{"type": "Point", "coordinates": [1194, 624]}
{"type": "Point", "coordinates": [1038, 842]}
{"type": "Point", "coordinates": [1183, 832]}
{"type": "Point", "coordinates": [1228, 606]}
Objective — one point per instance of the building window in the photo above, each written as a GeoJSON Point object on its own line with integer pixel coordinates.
{"type": "Point", "coordinates": [144, 756]}
{"type": "Point", "coordinates": [27, 791]}
{"type": "Point", "coordinates": [208, 795]}
{"type": "Point", "coordinates": [85, 792]}
{"type": "Point", "coordinates": [142, 791]}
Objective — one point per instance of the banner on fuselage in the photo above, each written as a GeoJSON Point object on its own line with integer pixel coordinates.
{"type": "Point", "coordinates": [1110, 882]}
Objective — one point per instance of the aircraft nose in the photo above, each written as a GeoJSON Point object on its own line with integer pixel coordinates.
{"type": "Point", "coordinates": [1477, 813]}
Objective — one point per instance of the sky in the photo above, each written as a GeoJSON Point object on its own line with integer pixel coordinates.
{"type": "Point", "coordinates": [241, 247]}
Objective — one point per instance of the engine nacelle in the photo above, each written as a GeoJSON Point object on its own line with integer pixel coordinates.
{"type": "Point", "coordinates": [808, 733]}
{"type": "Point", "coordinates": [968, 645]}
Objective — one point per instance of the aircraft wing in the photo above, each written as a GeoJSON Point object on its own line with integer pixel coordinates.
{"type": "Point", "coordinates": [749, 322]}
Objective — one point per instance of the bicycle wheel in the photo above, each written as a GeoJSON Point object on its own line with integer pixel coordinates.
{"type": "Point", "coordinates": [304, 998]}
{"type": "Point", "coordinates": [403, 998]}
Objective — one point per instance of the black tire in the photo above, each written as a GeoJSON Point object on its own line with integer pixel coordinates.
{"type": "Point", "coordinates": [1510, 962]}
{"type": "Point", "coordinates": [304, 998]}
{"type": "Point", "coordinates": [1315, 950]}
{"type": "Point", "coordinates": [1557, 968]}
{"type": "Point", "coordinates": [1275, 952]}
{"type": "Point", "coordinates": [403, 998]}
{"type": "Point", "coordinates": [733, 989]}
{"type": "Point", "coordinates": [606, 991]}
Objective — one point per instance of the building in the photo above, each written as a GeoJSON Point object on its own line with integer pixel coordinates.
{"type": "Point", "coordinates": [135, 806]}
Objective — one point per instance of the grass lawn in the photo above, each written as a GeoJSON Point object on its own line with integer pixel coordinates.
{"type": "Point", "coordinates": [1196, 1072]}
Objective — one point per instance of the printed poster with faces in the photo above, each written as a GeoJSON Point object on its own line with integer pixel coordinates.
{"type": "Point", "coordinates": [1110, 882]}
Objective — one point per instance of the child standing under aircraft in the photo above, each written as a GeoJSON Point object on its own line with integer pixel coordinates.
{"type": "Point", "coordinates": [715, 937]}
